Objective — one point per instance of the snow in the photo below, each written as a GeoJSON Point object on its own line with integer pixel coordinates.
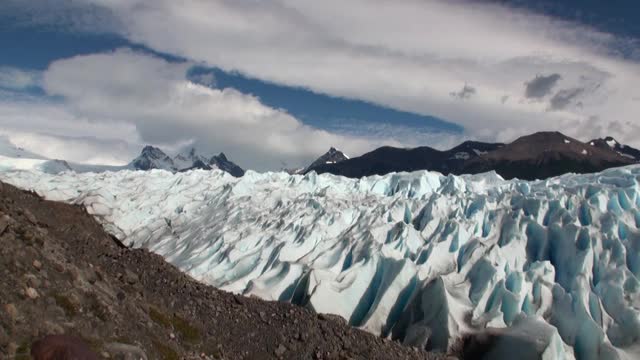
{"type": "Point", "coordinates": [44, 165]}
{"type": "Point", "coordinates": [585, 152]}
{"type": "Point", "coordinates": [612, 143]}
{"type": "Point", "coordinates": [8, 149]}
{"type": "Point", "coordinates": [479, 152]}
{"type": "Point", "coordinates": [567, 141]}
{"type": "Point", "coordinates": [51, 166]}
{"type": "Point", "coordinates": [186, 160]}
{"type": "Point", "coordinates": [461, 156]}
{"type": "Point", "coordinates": [549, 267]}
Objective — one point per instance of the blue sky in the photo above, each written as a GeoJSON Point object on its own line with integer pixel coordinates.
{"type": "Point", "coordinates": [313, 76]}
{"type": "Point", "coordinates": [618, 17]}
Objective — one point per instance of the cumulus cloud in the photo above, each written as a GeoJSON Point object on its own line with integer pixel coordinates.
{"type": "Point", "coordinates": [166, 108]}
{"type": "Point", "coordinates": [541, 86]}
{"type": "Point", "coordinates": [83, 150]}
{"type": "Point", "coordinates": [50, 129]}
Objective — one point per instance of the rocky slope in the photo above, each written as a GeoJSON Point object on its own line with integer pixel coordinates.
{"type": "Point", "coordinates": [61, 273]}
{"type": "Point", "coordinates": [537, 156]}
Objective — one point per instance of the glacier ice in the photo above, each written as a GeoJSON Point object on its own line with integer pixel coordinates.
{"type": "Point", "coordinates": [419, 257]}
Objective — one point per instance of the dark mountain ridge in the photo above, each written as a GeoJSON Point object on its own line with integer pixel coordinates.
{"type": "Point", "coordinates": [611, 143]}
{"type": "Point", "coordinates": [537, 156]}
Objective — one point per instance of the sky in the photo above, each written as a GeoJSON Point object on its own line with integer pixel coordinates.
{"type": "Point", "coordinates": [275, 83]}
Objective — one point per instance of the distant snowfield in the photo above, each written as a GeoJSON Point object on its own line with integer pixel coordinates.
{"type": "Point", "coordinates": [420, 257]}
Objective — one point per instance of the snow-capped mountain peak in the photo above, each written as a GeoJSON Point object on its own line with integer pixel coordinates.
{"type": "Point", "coordinates": [189, 160]}
{"type": "Point", "coordinates": [153, 152]}
{"type": "Point", "coordinates": [333, 156]}
{"type": "Point", "coordinates": [220, 156]}
{"type": "Point", "coordinates": [221, 162]}
{"type": "Point", "coordinates": [612, 144]}
{"type": "Point", "coordinates": [152, 158]}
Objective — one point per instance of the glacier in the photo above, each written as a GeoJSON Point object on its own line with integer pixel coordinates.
{"type": "Point", "coordinates": [548, 268]}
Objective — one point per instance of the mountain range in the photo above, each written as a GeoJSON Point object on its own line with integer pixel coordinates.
{"type": "Point", "coordinates": [537, 156]}
{"type": "Point", "coordinates": [154, 158]}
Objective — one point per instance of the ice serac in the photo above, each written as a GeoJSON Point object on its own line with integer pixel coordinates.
{"type": "Point", "coordinates": [528, 339]}
{"type": "Point", "coordinates": [548, 267]}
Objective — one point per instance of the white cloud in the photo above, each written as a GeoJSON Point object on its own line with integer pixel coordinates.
{"type": "Point", "coordinates": [18, 79]}
{"type": "Point", "coordinates": [83, 150]}
{"type": "Point", "coordinates": [166, 108]}
{"type": "Point", "coordinates": [407, 54]}
{"type": "Point", "coordinates": [50, 129]}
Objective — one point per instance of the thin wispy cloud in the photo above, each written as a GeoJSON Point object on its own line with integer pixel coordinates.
{"type": "Point", "coordinates": [17, 79]}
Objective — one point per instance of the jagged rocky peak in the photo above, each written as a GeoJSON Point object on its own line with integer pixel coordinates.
{"type": "Point", "coordinates": [336, 153]}
{"type": "Point", "coordinates": [221, 162]}
{"type": "Point", "coordinates": [333, 156]}
{"type": "Point", "coordinates": [193, 159]}
{"type": "Point", "coordinates": [153, 152]}
{"type": "Point", "coordinates": [191, 156]}
{"type": "Point", "coordinates": [154, 158]}
{"type": "Point", "coordinates": [220, 156]}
